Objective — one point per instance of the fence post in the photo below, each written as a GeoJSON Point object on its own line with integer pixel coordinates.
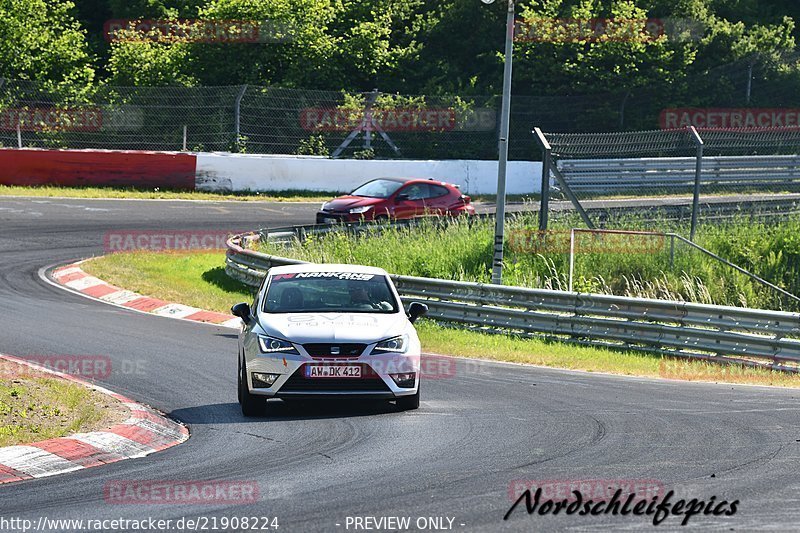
{"type": "Point", "coordinates": [571, 256]}
{"type": "Point", "coordinates": [237, 113]}
{"type": "Point", "coordinates": [19, 132]}
{"type": "Point", "coordinates": [671, 250]}
{"type": "Point", "coordinates": [697, 171]}
{"type": "Point", "coordinates": [184, 138]}
{"type": "Point", "coordinates": [546, 162]}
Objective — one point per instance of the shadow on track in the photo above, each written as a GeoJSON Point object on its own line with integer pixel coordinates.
{"type": "Point", "coordinates": [278, 410]}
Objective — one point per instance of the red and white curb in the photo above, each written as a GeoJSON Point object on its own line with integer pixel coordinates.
{"type": "Point", "coordinates": [74, 278]}
{"type": "Point", "coordinates": [146, 431]}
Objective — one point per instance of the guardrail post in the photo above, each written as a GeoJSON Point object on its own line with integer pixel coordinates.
{"type": "Point", "coordinates": [698, 169]}
{"type": "Point", "coordinates": [547, 160]}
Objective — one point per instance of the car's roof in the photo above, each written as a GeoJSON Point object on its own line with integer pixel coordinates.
{"type": "Point", "coordinates": [314, 267]}
{"type": "Point", "coordinates": [405, 180]}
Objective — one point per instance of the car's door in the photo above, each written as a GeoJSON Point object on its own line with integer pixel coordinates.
{"type": "Point", "coordinates": [409, 201]}
{"type": "Point", "coordinates": [438, 200]}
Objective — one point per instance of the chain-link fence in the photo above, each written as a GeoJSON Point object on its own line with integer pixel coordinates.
{"type": "Point", "coordinates": [278, 120]}
{"type": "Point", "coordinates": [141, 118]}
{"type": "Point", "coordinates": [252, 119]}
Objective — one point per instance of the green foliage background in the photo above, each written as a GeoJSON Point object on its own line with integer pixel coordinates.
{"type": "Point", "coordinates": [407, 46]}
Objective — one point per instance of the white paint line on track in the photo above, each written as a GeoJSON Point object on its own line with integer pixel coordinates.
{"type": "Point", "coordinates": [84, 283]}
{"type": "Point", "coordinates": [113, 443]}
{"type": "Point", "coordinates": [176, 311]}
{"type": "Point", "coordinates": [159, 429]}
{"type": "Point", "coordinates": [120, 297]}
{"type": "Point", "coordinates": [67, 271]}
{"type": "Point", "coordinates": [235, 323]}
{"type": "Point", "coordinates": [35, 462]}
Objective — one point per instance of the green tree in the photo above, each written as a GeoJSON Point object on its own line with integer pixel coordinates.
{"type": "Point", "coordinates": [149, 61]}
{"type": "Point", "coordinates": [41, 41]}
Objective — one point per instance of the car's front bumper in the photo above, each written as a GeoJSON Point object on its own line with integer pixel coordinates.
{"type": "Point", "coordinates": [326, 217]}
{"type": "Point", "coordinates": [375, 382]}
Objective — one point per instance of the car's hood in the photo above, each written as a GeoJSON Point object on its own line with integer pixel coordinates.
{"type": "Point", "coordinates": [334, 327]}
{"type": "Point", "coordinates": [343, 203]}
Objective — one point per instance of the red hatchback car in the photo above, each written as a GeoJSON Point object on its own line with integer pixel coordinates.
{"type": "Point", "coordinates": [396, 198]}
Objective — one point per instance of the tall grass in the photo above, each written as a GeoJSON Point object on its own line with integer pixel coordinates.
{"type": "Point", "coordinates": [462, 250]}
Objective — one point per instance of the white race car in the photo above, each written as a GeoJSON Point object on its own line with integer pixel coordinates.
{"type": "Point", "coordinates": [327, 331]}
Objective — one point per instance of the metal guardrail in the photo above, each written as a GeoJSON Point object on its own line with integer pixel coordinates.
{"type": "Point", "coordinates": [751, 337]}
{"type": "Point", "coordinates": [614, 175]}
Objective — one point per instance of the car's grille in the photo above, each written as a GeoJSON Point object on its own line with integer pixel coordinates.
{"type": "Point", "coordinates": [328, 349]}
{"type": "Point", "coordinates": [369, 382]}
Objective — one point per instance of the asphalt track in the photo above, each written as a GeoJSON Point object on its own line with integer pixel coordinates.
{"type": "Point", "coordinates": [476, 432]}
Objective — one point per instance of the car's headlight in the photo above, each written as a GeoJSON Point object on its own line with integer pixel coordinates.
{"type": "Point", "coordinates": [395, 345]}
{"type": "Point", "coordinates": [273, 345]}
{"type": "Point", "coordinates": [358, 210]}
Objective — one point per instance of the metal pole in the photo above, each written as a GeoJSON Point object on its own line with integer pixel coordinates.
{"type": "Point", "coordinates": [749, 82]}
{"type": "Point", "coordinates": [622, 111]}
{"type": "Point", "coordinates": [571, 256]}
{"type": "Point", "coordinates": [698, 170]}
{"type": "Point", "coordinates": [671, 250]}
{"type": "Point", "coordinates": [237, 113]}
{"type": "Point", "coordinates": [184, 138]}
{"type": "Point", "coordinates": [547, 159]}
{"type": "Point", "coordinates": [19, 133]}
{"type": "Point", "coordinates": [497, 264]}
{"type": "Point", "coordinates": [369, 120]}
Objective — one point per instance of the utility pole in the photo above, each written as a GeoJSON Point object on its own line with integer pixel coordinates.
{"type": "Point", "coordinates": [505, 119]}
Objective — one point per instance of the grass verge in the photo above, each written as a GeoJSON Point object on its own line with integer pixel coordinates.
{"type": "Point", "coordinates": [621, 264]}
{"type": "Point", "coordinates": [158, 194]}
{"type": "Point", "coordinates": [198, 279]}
{"type": "Point", "coordinates": [35, 408]}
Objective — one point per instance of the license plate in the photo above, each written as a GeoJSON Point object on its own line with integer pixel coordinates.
{"type": "Point", "coordinates": [331, 371]}
{"type": "Point", "coordinates": [329, 220]}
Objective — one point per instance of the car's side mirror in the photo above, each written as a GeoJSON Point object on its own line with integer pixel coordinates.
{"type": "Point", "coordinates": [401, 198]}
{"type": "Point", "coordinates": [416, 310]}
{"type": "Point", "coordinates": [242, 310]}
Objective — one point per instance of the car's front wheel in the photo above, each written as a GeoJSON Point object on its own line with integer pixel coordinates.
{"type": "Point", "coordinates": [408, 403]}
{"type": "Point", "coordinates": [252, 405]}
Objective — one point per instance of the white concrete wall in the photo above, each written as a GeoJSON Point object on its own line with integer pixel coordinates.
{"type": "Point", "coordinates": [256, 172]}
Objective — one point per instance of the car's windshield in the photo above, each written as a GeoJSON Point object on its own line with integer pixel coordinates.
{"type": "Point", "coordinates": [322, 292]}
{"type": "Point", "coordinates": [378, 188]}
